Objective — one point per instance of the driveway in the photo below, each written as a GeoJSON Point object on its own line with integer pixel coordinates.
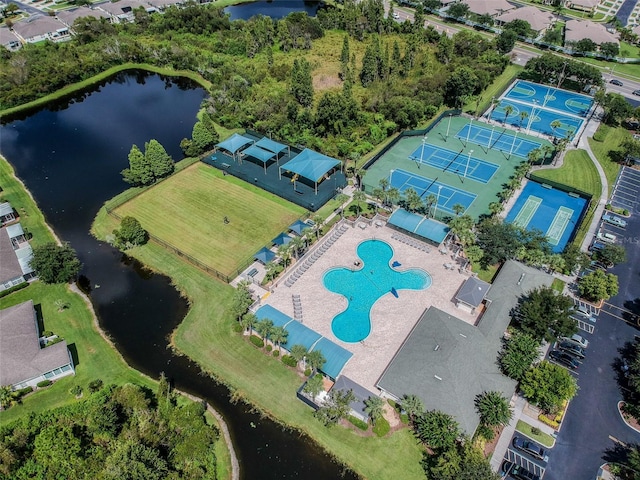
{"type": "Point", "coordinates": [592, 424]}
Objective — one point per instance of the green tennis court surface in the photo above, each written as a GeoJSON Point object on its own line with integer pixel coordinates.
{"type": "Point", "coordinates": [559, 224]}
{"type": "Point", "coordinates": [527, 212]}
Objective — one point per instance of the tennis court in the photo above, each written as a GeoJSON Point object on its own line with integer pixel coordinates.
{"type": "Point", "coordinates": [554, 212]}
{"type": "Point", "coordinates": [550, 97]}
{"type": "Point", "coordinates": [460, 162]}
{"type": "Point", "coordinates": [498, 139]}
{"type": "Point", "coordinates": [537, 119]}
{"type": "Point", "coordinates": [446, 195]}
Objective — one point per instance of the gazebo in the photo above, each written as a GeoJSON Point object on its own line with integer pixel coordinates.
{"type": "Point", "coordinates": [298, 227]}
{"type": "Point", "coordinates": [281, 239]}
{"type": "Point", "coordinates": [259, 154]}
{"type": "Point", "coordinates": [264, 255]}
{"type": "Point", "coordinates": [234, 143]}
{"type": "Point", "coordinates": [310, 165]}
{"type": "Point", "coordinates": [272, 146]}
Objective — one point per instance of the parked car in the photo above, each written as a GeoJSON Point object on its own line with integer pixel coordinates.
{"type": "Point", "coordinates": [531, 448]}
{"type": "Point", "coordinates": [572, 349]}
{"type": "Point", "coordinates": [576, 339]}
{"type": "Point", "coordinates": [564, 358]}
{"type": "Point", "coordinates": [583, 315]}
{"type": "Point", "coordinates": [636, 92]}
{"type": "Point", "coordinates": [517, 471]}
{"type": "Point", "coordinates": [615, 81]}
{"type": "Point", "coordinates": [613, 220]}
{"type": "Point", "coordinates": [396, 15]}
{"type": "Point", "coordinates": [607, 237]}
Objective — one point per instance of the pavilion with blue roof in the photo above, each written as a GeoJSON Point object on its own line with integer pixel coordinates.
{"type": "Point", "coordinates": [419, 225]}
{"type": "Point", "coordinates": [310, 165]}
{"type": "Point", "coordinates": [299, 334]}
{"type": "Point", "coordinates": [234, 143]}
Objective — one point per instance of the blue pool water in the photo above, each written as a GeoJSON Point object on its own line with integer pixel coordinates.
{"type": "Point", "coordinates": [545, 214]}
{"type": "Point", "coordinates": [364, 285]}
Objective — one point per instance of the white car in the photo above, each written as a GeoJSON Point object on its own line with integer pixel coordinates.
{"type": "Point", "coordinates": [396, 15]}
{"type": "Point", "coordinates": [576, 339]}
{"type": "Point", "coordinates": [607, 237]}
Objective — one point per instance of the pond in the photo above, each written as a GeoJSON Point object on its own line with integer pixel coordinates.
{"type": "Point", "coordinates": [70, 156]}
{"type": "Point", "coordinates": [275, 9]}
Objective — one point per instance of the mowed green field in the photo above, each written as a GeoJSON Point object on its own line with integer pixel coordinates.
{"type": "Point", "coordinates": [188, 211]}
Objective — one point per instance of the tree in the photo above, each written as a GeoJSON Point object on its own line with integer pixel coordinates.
{"type": "Point", "coordinates": [159, 161]}
{"type": "Point", "coordinates": [500, 241]}
{"type": "Point", "coordinates": [547, 385]}
{"type": "Point", "coordinates": [344, 58]}
{"type": "Point", "coordinates": [130, 233]}
{"type": "Point", "coordinates": [284, 252]}
{"type": "Point", "coordinates": [316, 359]}
{"type": "Point", "coordinates": [342, 198]}
{"type": "Point", "coordinates": [519, 352]}
{"type": "Point", "coordinates": [520, 27]}
{"type": "Point", "coordinates": [574, 258]}
{"type": "Point", "coordinates": [302, 82]}
{"type": "Point", "coordinates": [493, 409]}
{"type": "Point", "coordinates": [609, 49]}
{"type": "Point", "coordinates": [374, 407]}
{"type": "Point", "coordinates": [55, 263]}
{"type": "Point", "coordinates": [436, 429]}
{"type": "Point", "coordinates": [628, 467]}
{"type": "Point", "coordinates": [58, 451]}
{"type": "Point", "coordinates": [298, 352]}
{"type": "Point", "coordinates": [585, 45]}
{"type": "Point", "coordinates": [598, 285]}
{"type": "Point", "coordinates": [508, 110]}
{"type": "Point", "coordinates": [544, 313]}
{"type": "Point", "coordinates": [462, 83]}
{"type": "Point", "coordinates": [464, 460]}
{"type": "Point", "coordinates": [462, 229]}
{"type": "Point", "coordinates": [264, 328]}
{"type": "Point", "coordinates": [297, 244]}
{"type": "Point", "coordinates": [358, 197]}
{"type": "Point", "coordinates": [412, 404]}
{"type": "Point", "coordinates": [413, 200]}
{"type": "Point", "coordinates": [279, 336]}
{"type": "Point", "coordinates": [203, 137]}
{"type": "Point", "coordinates": [6, 397]}
{"type": "Point", "coordinates": [248, 321]}
{"type": "Point", "coordinates": [611, 255]}
{"type": "Point", "coordinates": [314, 385]}
{"type": "Point", "coordinates": [335, 407]}
{"type": "Point", "coordinates": [506, 41]}
{"type": "Point", "coordinates": [630, 149]}
{"type": "Point", "coordinates": [459, 10]}
{"type": "Point", "coordinates": [242, 300]}
{"type": "Point", "coordinates": [523, 116]}
{"type": "Point", "coordinates": [138, 172]}
{"type": "Point", "coordinates": [474, 254]}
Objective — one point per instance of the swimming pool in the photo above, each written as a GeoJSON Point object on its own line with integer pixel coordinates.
{"type": "Point", "coordinates": [362, 286]}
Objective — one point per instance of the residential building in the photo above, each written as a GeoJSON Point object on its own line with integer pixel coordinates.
{"type": "Point", "coordinates": [122, 11]}
{"type": "Point", "coordinates": [576, 30]}
{"type": "Point", "coordinates": [39, 28]}
{"type": "Point", "coordinates": [15, 255]}
{"type": "Point", "coordinates": [68, 17]}
{"type": "Point", "coordinates": [489, 7]}
{"type": "Point", "coordinates": [540, 20]}
{"type": "Point", "coordinates": [9, 40]}
{"type": "Point", "coordinates": [24, 361]}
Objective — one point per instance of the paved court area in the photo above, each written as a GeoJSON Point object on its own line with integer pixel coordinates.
{"type": "Point", "coordinates": [392, 318]}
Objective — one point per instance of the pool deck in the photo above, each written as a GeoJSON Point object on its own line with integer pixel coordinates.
{"type": "Point", "coordinates": [392, 318]}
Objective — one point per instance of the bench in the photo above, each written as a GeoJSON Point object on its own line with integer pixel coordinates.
{"type": "Point", "coordinates": [226, 165]}
{"type": "Point", "coordinates": [252, 273]}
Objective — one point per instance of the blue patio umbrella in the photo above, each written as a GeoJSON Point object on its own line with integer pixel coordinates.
{"type": "Point", "coordinates": [264, 255]}
{"type": "Point", "coordinates": [281, 239]}
{"type": "Point", "coordinates": [298, 227]}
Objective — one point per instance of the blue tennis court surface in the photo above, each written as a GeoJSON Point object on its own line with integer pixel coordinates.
{"type": "Point", "coordinates": [457, 162]}
{"type": "Point", "coordinates": [538, 121]}
{"type": "Point", "coordinates": [446, 195]}
{"type": "Point", "coordinates": [554, 212]}
{"type": "Point", "coordinates": [550, 97]}
{"type": "Point", "coordinates": [497, 139]}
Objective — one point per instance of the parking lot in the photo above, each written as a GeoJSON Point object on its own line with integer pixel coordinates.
{"type": "Point", "coordinates": [535, 466]}
{"type": "Point", "coordinates": [625, 192]}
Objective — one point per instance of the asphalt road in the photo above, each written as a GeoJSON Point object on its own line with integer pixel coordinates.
{"type": "Point", "coordinates": [592, 426]}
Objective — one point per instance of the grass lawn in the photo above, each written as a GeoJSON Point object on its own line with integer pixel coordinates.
{"type": "Point", "coordinates": [486, 275]}
{"type": "Point", "coordinates": [494, 90]}
{"type": "Point", "coordinates": [542, 438]}
{"type": "Point", "coordinates": [558, 285]}
{"type": "Point", "coordinates": [206, 336]}
{"type": "Point", "coordinates": [606, 141]}
{"type": "Point", "coordinates": [187, 211]}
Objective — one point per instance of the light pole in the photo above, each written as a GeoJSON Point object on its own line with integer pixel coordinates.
{"type": "Point", "coordinates": [466, 169]}
{"type": "Point", "coordinates": [435, 207]}
{"type": "Point", "coordinates": [448, 126]}
{"type": "Point", "coordinates": [469, 131]}
{"type": "Point", "coordinates": [424, 142]}
{"type": "Point", "coordinates": [493, 127]}
{"type": "Point", "coordinates": [513, 144]}
{"type": "Point", "coordinates": [533, 114]}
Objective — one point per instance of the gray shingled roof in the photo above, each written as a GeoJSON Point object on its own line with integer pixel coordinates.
{"type": "Point", "coordinates": [21, 357]}
{"type": "Point", "coordinates": [9, 265]}
{"type": "Point", "coordinates": [539, 20]}
{"type": "Point", "coordinates": [38, 25]}
{"type": "Point", "coordinates": [472, 291]}
{"type": "Point", "coordinates": [345, 384]}
{"type": "Point", "coordinates": [68, 17]}
{"type": "Point", "coordinates": [576, 30]}
{"type": "Point", "coordinates": [447, 362]}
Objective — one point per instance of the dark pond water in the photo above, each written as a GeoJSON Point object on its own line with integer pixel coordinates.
{"type": "Point", "coordinates": [274, 9]}
{"type": "Point", "coordinates": [70, 157]}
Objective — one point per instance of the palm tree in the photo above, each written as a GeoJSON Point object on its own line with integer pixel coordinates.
{"type": "Point", "coordinates": [6, 397]}
{"type": "Point", "coordinates": [412, 404]}
{"type": "Point", "coordinates": [279, 336]}
{"type": "Point", "coordinates": [555, 125]}
{"type": "Point", "coordinates": [359, 196]}
{"type": "Point", "coordinates": [534, 155]}
{"type": "Point", "coordinates": [316, 360]}
{"type": "Point", "coordinates": [462, 229]}
{"type": "Point", "coordinates": [414, 202]}
{"type": "Point", "coordinates": [248, 321]}
{"type": "Point", "coordinates": [384, 184]}
{"type": "Point", "coordinates": [493, 409]}
{"type": "Point", "coordinates": [299, 352]}
{"type": "Point", "coordinates": [430, 202]}
{"type": "Point", "coordinates": [495, 207]}
{"type": "Point", "coordinates": [379, 194]}
{"type": "Point", "coordinates": [374, 407]}
{"type": "Point", "coordinates": [271, 268]}
{"type": "Point", "coordinates": [342, 198]}
{"type": "Point", "coordinates": [314, 385]}
{"type": "Point", "coordinates": [458, 209]}
{"type": "Point", "coordinates": [296, 245]}
{"type": "Point", "coordinates": [284, 251]}
{"type": "Point", "coordinates": [523, 116]}
{"type": "Point", "coordinates": [318, 220]}
{"type": "Point", "coordinates": [474, 254]}
{"type": "Point", "coordinates": [393, 195]}
{"type": "Point", "coordinates": [508, 110]}
{"type": "Point", "coordinates": [264, 328]}
{"type": "Point", "coordinates": [294, 179]}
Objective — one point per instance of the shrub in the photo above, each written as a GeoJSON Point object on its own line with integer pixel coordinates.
{"type": "Point", "coordinates": [15, 288]}
{"type": "Point", "coordinates": [307, 372]}
{"type": "Point", "coordinates": [289, 361]}
{"type": "Point", "coordinates": [47, 333]}
{"type": "Point", "coordinates": [536, 431]}
{"type": "Point", "coordinates": [358, 423]}
{"type": "Point", "coordinates": [54, 341]}
{"type": "Point", "coordinates": [276, 353]}
{"type": "Point", "coordinates": [23, 391]}
{"type": "Point", "coordinates": [546, 420]}
{"type": "Point", "coordinates": [393, 404]}
{"type": "Point", "coordinates": [382, 427]}
{"type": "Point", "coordinates": [486, 432]}
{"type": "Point", "coordinates": [95, 385]}
{"type": "Point", "coordinates": [237, 328]}
{"type": "Point", "coordinates": [44, 383]}
{"type": "Point", "coordinates": [404, 418]}
{"type": "Point", "coordinates": [76, 391]}
{"type": "Point", "coordinates": [269, 347]}
{"type": "Point", "coordinates": [257, 341]}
